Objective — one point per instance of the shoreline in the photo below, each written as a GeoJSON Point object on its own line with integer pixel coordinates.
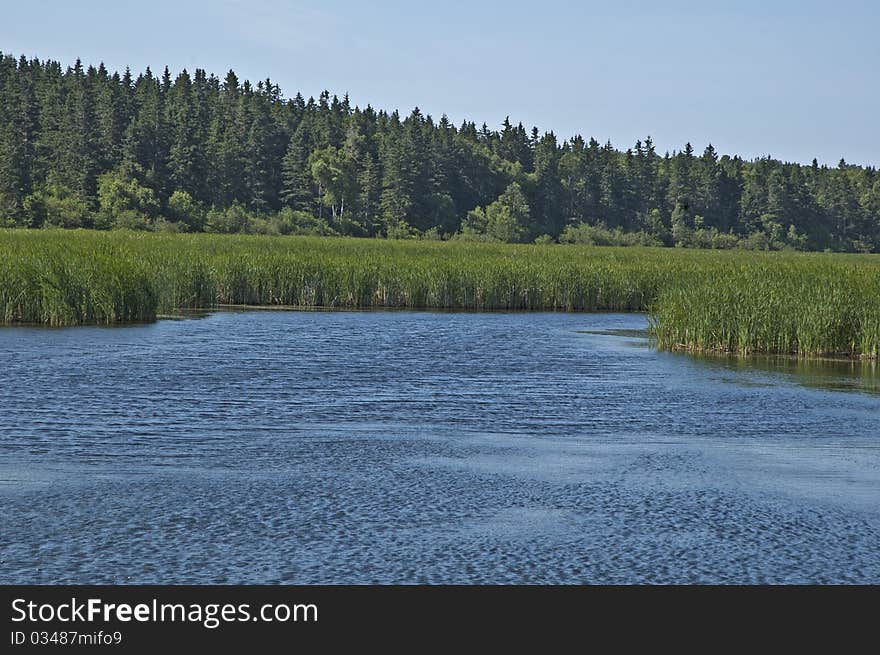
{"type": "Point", "coordinates": [682, 349]}
{"type": "Point", "coordinates": [826, 305]}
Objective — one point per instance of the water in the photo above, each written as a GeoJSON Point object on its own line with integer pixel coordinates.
{"type": "Point", "coordinates": [302, 447]}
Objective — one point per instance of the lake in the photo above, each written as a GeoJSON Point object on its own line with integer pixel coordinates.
{"type": "Point", "coordinates": [418, 447]}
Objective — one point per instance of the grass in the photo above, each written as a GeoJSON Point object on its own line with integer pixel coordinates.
{"type": "Point", "coordinates": [806, 305]}
{"type": "Point", "coordinates": [703, 301]}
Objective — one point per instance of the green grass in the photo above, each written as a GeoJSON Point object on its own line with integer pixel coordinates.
{"type": "Point", "coordinates": [806, 305]}
{"type": "Point", "coordinates": [704, 301]}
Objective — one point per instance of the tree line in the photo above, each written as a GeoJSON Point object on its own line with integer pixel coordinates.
{"type": "Point", "coordinates": [84, 147]}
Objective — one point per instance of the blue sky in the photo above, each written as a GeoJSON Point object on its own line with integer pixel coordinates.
{"type": "Point", "coordinates": [795, 80]}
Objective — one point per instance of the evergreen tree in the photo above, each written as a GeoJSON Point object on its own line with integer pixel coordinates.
{"type": "Point", "coordinates": [77, 162]}
{"type": "Point", "coordinates": [296, 189]}
{"type": "Point", "coordinates": [400, 171]}
{"type": "Point", "coordinates": [18, 125]}
{"type": "Point", "coordinates": [145, 145]}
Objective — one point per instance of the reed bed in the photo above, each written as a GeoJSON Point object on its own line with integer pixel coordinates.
{"type": "Point", "coordinates": [702, 301]}
{"type": "Point", "coordinates": [810, 306]}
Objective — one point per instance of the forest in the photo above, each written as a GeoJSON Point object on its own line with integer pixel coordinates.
{"type": "Point", "coordinates": [85, 147]}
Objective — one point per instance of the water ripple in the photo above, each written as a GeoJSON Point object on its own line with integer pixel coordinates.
{"type": "Point", "coordinates": [420, 447]}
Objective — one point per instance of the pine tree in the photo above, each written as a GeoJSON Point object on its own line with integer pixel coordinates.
{"type": "Point", "coordinates": [297, 185]}
{"type": "Point", "coordinates": [76, 160]}
{"type": "Point", "coordinates": [548, 193]}
{"type": "Point", "coordinates": [18, 125]}
{"type": "Point", "coordinates": [145, 145]}
{"type": "Point", "coordinates": [262, 153]}
{"type": "Point", "coordinates": [111, 118]}
{"type": "Point", "coordinates": [184, 167]}
{"type": "Point", "coordinates": [400, 174]}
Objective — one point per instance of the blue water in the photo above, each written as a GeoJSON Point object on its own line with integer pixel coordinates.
{"type": "Point", "coordinates": [396, 447]}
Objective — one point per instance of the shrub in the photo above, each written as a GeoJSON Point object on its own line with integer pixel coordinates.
{"type": "Point", "coordinates": [125, 203]}
{"type": "Point", "coordinates": [55, 205]}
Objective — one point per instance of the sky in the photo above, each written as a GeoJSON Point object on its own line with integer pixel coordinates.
{"type": "Point", "coordinates": [790, 79]}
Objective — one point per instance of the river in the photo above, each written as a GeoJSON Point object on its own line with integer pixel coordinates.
{"type": "Point", "coordinates": [419, 447]}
